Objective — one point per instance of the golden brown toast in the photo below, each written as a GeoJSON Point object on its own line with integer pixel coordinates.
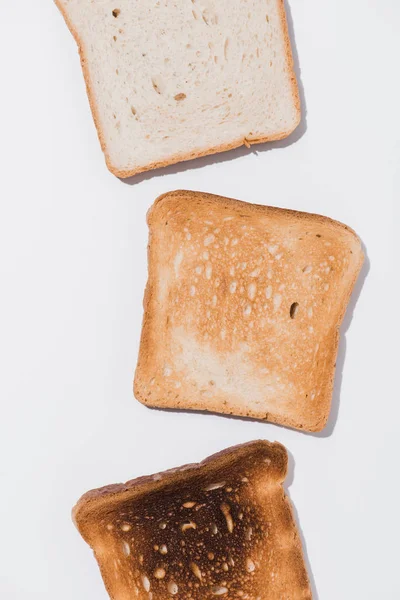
{"type": "Point", "coordinates": [223, 527]}
{"type": "Point", "coordinates": [243, 307]}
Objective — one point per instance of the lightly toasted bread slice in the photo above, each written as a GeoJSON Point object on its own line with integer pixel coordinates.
{"type": "Point", "coordinates": [242, 309]}
{"type": "Point", "coordinates": [171, 81]}
{"type": "Point", "coordinates": [223, 527]}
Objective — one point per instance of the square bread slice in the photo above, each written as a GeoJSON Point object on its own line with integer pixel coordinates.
{"type": "Point", "coordinates": [220, 528]}
{"type": "Point", "coordinates": [242, 309]}
{"type": "Point", "coordinates": [171, 81]}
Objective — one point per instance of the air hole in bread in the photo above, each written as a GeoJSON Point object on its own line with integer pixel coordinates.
{"type": "Point", "coordinates": [156, 86]}
{"type": "Point", "coordinates": [116, 12]}
{"type": "Point", "coordinates": [293, 309]}
{"type": "Point", "coordinates": [226, 48]}
{"type": "Point", "coordinates": [318, 235]}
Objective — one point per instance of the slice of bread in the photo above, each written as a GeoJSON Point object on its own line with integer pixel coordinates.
{"type": "Point", "coordinates": [243, 307]}
{"type": "Point", "coordinates": [223, 527]}
{"type": "Point", "coordinates": [171, 81]}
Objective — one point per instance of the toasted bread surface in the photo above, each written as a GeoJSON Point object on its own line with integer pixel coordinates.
{"type": "Point", "coordinates": [173, 81]}
{"type": "Point", "coordinates": [243, 307]}
{"type": "Point", "coordinates": [223, 527]}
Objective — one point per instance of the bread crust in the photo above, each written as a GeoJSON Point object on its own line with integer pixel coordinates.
{"type": "Point", "coordinates": [184, 156]}
{"type": "Point", "coordinates": [153, 334]}
{"type": "Point", "coordinates": [266, 475]}
{"type": "Point", "coordinates": [175, 475]}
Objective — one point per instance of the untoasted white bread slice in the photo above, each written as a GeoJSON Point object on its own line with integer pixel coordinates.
{"type": "Point", "coordinates": [243, 307]}
{"type": "Point", "coordinates": [171, 81]}
{"type": "Point", "coordinates": [223, 527]}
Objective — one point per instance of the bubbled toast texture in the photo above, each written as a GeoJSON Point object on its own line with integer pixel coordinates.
{"type": "Point", "coordinates": [220, 528]}
{"type": "Point", "coordinates": [243, 307]}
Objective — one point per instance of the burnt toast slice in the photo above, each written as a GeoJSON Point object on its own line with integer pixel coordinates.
{"type": "Point", "coordinates": [242, 309]}
{"type": "Point", "coordinates": [223, 527]}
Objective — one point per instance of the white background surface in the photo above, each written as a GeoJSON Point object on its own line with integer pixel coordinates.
{"type": "Point", "coordinates": [72, 273]}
